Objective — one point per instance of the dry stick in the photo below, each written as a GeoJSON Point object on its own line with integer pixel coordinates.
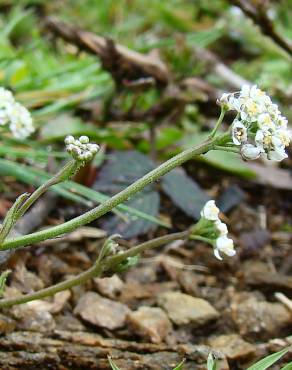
{"type": "Point", "coordinates": [231, 78]}
{"type": "Point", "coordinates": [285, 300]}
{"type": "Point", "coordinates": [94, 271]}
{"type": "Point", "coordinates": [122, 62]}
{"type": "Point", "coordinates": [259, 15]}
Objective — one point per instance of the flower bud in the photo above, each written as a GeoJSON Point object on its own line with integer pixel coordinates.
{"type": "Point", "coordinates": [250, 152]}
{"type": "Point", "coordinates": [210, 211]}
{"type": "Point", "coordinates": [84, 139]}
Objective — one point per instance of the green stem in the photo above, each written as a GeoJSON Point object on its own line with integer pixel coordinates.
{"type": "Point", "coordinates": [227, 149]}
{"type": "Point", "coordinates": [201, 239]}
{"type": "Point", "coordinates": [218, 123]}
{"type": "Point", "coordinates": [113, 261]}
{"type": "Point", "coordinates": [95, 270]}
{"type": "Point", "coordinates": [64, 174]}
{"type": "Point", "coordinates": [111, 203]}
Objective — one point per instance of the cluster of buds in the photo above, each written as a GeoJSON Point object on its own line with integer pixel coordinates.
{"type": "Point", "coordinates": [217, 230]}
{"type": "Point", "coordinates": [259, 127]}
{"type": "Point", "coordinates": [14, 115]}
{"type": "Point", "coordinates": [81, 149]}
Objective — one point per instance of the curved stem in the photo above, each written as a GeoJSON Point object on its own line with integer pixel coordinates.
{"type": "Point", "coordinates": [64, 174]}
{"type": "Point", "coordinates": [122, 196]}
{"type": "Point", "coordinates": [95, 270]}
{"type": "Point", "coordinates": [218, 123]}
{"type": "Point", "coordinates": [154, 243]}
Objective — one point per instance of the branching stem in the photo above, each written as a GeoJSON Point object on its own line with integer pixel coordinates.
{"type": "Point", "coordinates": [121, 197]}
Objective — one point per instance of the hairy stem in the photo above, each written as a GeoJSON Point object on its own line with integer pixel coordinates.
{"type": "Point", "coordinates": [121, 197]}
{"type": "Point", "coordinates": [94, 271]}
{"type": "Point", "coordinates": [218, 123]}
{"type": "Point", "coordinates": [64, 174]}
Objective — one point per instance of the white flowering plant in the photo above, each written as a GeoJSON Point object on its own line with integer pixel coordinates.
{"type": "Point", "coordinates": [258, 130]}
{"type": "Point", "coordinates": [14, 117]}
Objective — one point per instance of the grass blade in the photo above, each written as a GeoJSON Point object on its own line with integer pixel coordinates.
{"type": "Point", "coordinates": [113, 365]}
{"type": "Point", "coordinates": [269, 360]}
{"type": "Point", "coordinates": [69, 189]}
{"type": "Point", "coordinates": [287, 367]}
{"type": "Point", "coordinates": [180, 366]}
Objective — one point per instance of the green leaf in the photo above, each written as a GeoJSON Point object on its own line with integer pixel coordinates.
{"type": "Point", "coordinates": [179, 366]}
{"type": "Point", "coordinates": [211, 362]}
{"type": "Point", "coordinates": [113, 365]}
{"type": "Point", "coordinates": [269, 360]}
{"type": "Point", "coordinates": [3, 278]}
{"type": "Point", "coordinates": [184, 192]}
{"type": "Point", "coordinates": [127, 263]}
{"type": "Point", "coordinates": [287, 366]}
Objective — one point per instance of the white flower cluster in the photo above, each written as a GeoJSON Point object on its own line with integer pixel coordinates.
{"type": "Point", "coordinates": [222, 243]}
{"type": "Point", "coordinates": [15, 115]}
{"type": "Point", "coordinates": [259, 128]}
{"type": "Point", "coordinates": [81, 149]}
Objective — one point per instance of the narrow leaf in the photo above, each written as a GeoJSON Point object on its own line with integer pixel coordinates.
{"type": "Point", "coordinates": [179, 366]}
{"type": "Point", "coordinates": [113, 365]}
{"type": "Point", "coordinates": [287, 366]}
{"type": "Point", "coordinates": [211, 362]}
{"type": "Point", "coordinates": [3, 278]}
{"type": "Point", "coordinates": [269, 360]}
{"type": "Point", "coordinates": [68, 189]}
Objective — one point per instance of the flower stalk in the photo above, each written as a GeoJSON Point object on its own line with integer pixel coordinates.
{"type": "Point", "coordinates": [120, 197]}
{"type": "Point", "coordinates": [103, 263]}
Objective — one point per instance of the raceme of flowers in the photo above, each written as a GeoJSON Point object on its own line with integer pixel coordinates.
{"type": "Point", "coordinates": [14, 115]}
{"type": "Point", "coordinates": [222, 243]}
{"type": "Point", "coordinates": [81, 149]}
{"type": "Point", "coordinates": [259, 127]}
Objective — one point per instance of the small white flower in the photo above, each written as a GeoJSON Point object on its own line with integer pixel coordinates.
{"type": "Point", "coordinates": [250, 152]}
{"type": "Point", "coordinates": [239, 133]}
{"type": "Point", "coordinates": [221, 227]}
{"type": "Point", "coordinates": [282, 122]}
{"type": "Point", "coordinates": [224, 245]}
{"type": "Point", "coordinates": [15, 115]}
{"type": "Point", "coordinates": [20, 121]}
{"type": "Point", "coordinates": [278, 154]}
{"type": "Point", "coordinates": [210, 211]}
{"type": "Point", "coordinates": [265, 122]}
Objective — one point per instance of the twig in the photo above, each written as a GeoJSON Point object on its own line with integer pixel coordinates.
{"type": "Point", "coordinates": [257, 11]}
{"type": "Point", "coordinates": [285, 300]}
{"type": "Point", "coordinates": [124, 64]}
{"type": "Point", "coordinates": [222, 70]}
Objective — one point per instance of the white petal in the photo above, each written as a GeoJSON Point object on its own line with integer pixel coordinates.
{"type": "Point", "coordinates": [239, 133]}
{"type": "Point", "coordinates": [217, 254]}
{"type": "Point", "coordinates": [221, 227]}
{"type": "Point", "coordinates": [277, 155]}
